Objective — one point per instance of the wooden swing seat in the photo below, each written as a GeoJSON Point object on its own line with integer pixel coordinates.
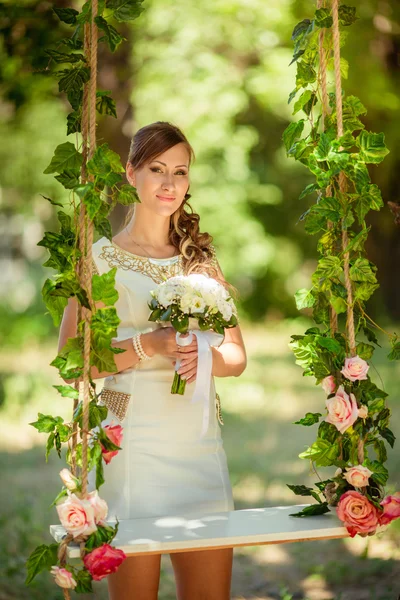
{"type": "Point", "coordinates": [245, 527]}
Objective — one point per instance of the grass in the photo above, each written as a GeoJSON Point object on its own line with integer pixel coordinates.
{"type": "Point", "coordinates": [262, 447]}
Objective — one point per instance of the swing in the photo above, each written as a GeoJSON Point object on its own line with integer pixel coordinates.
{"type": "Point", "coordinates": [168, 534]}
{"type": "Point", "coordinates": [244, 527]}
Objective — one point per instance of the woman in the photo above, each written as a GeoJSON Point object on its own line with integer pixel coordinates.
{"type": "Point", "coordinates": [164, 467]}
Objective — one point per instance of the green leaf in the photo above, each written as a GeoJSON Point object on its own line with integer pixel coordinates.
{"type": "Point", "coordinates": [103, 288]}
{"type": "Point", "coordinates": [394, 354]}
{"type": "Point", "coordinates": [305, 74]}
{"type": "Point", "coordinates": [292, 133]}
{"type": "Point", "coordinates": [303, 490]}
{"type": "Point", "coordinates": [84, 582]}
{"type": "Point", "coordinates": [304, 98]}
{"type": "Point", "coordinates": [65, 157]}
{"type": "Point", "coordinates": [73, 79]}
{"type": "Point", "coordinates": [323, 18]}
{"type": "Point", "coordinates": [339, 304]}
{"type": "Point", "coordinates": [69, 178]}
{"type": "Point", "coordinates": [63, 57]}
{"type": "Point", "coordinates": [66, 15]}
{"type": "Point", "coordinates": [329, 343]}
{"type": "Point", "coordinates": [365, 351]}
{"type": "Point", "coordinates": [329, 266]}
{"type": "Point", "coordinates": [322, 452]}
{"type": "Point", "coordinates": [43, 557]}
{"type": "Point", "coordinates": [112, 36]}
{"type": "Point", "coordinates": [55, 304]}
{"type": "Point", "coordinates": [309, 419]}
{"type": "Point", "coordinates": [50, 444]}
{"type": "Point", "coordinates": [324, 145]}
{"type": "Point", "coordinates": [372, 147]}
{"type": "Point", "coordinates": [313, 509]}
{"type": "Point", "coordinates": [380, 450]}
{"type": "Point", "coordinates": [125, 10]}
{"type": "Point", "coordinates": [304, 299]}
{"type": "Point", "coordinates": [388, 435]}
{"type": "Point", "coordinates": [376, 406]}
{"type": "Point", "coordinates": [362, 271]}
{"type": "Point", "coordinates": [105, 165]}
{"type": "Point", "coordinates": [67, 391]}
{"type": "Point", "coordinates": [126, 195]}
{"type": "Point", "coordinates": [45, 423]}
{"type": "Point", "coordinates": [380, 472]}
{"type": "Point", "coordinates": [347, 15]}
{"type": "Point", "coordinates": [105, 105]}
{"type": "Point", "coordinates": [364, 291]}
{"type": "Point", "coordinates": [74, 122]}
{"type": "Point", "coordinates": [312, 187]}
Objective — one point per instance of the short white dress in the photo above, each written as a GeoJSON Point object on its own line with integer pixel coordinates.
{"type": "Point", "coordinates": [165, 467]}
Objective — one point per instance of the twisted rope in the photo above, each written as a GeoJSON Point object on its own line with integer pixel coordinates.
{"type": "Point", "coordinates": [333, 321]}
{"type": "Point", "coordinates": [342, 178]}
{"type": "Point", "coordinates": [87, 270]}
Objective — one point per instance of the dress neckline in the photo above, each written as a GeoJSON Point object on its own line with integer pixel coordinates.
{"type": "Point", "coordinates": [151, 258]}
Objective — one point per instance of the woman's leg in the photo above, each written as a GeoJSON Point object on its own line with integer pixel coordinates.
{"type": "Point", "coordinates": [203, 574]}
{"type": "Point", "coordinates": [137, 578]}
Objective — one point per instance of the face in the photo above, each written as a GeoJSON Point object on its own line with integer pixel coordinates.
{"type": "Point", "coordinates": [162, 183]}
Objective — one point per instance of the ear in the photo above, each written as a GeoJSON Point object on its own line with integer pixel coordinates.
{"type": "Point", "coordinates": [130, 174]}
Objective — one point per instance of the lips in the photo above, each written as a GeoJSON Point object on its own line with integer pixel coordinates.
{"type": "Point", "coordinates": [166, 198]}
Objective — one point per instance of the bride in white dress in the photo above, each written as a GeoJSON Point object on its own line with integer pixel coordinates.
{"type": "Point", "coordinates": [165, 467]}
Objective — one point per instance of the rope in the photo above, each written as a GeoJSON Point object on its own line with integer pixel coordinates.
{"type": "Point", "coordinates": [87, 271]}
{"type": "Point", "coordinates": [84, 270]}
{"type": "Point", "coordinates": [333, 321]}
{"type": "Point", "coordinates": [342, 178]}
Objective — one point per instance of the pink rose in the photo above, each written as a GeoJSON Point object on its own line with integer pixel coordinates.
{"type": "Point", "coordinates": [391, 508]}
{"type": "Point", "coordinates": [63, 578]}
{"type": "Point", "coordinates": [114, 433]}
{"type": "Point", "coordinates": [103, 561]}
{"type": "Point", "coordinates": [76, 515]}
{"type": "Point", "coordinates": [358, 514]}
{"type": "Point", "coordinates": [99, 506]}
{"type": "Point", "coordinates": [357, 476]}
{"type": "Point", "coordinates": [363, 411]}
{"type": "Point", "coordinates": [342, 410]}
{"type": "Point", "coordinates": [329, 384]}
{"type": "Point", "coordinates": [70, 482]}
{"type": "Point", "coordinates": [355, 368]}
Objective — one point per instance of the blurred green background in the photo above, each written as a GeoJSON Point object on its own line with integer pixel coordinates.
{"type": "Point", "coordinates": [219, 70]}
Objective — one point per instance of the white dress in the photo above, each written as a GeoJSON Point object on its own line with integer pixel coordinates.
{"type": "Point", "coordinates": [164, 468]}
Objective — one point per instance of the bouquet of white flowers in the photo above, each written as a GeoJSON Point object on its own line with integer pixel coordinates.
{"type": "Point", "coordinates": [183, 298]}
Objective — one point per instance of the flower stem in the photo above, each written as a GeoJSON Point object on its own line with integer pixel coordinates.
{"type": "Point", "coordinates": [178, 385]}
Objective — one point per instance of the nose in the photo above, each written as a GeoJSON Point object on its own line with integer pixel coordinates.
{"type": "Point", "coordinates": [168, 182]}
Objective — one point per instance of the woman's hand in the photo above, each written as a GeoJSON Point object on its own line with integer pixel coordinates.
{"type": "Point", "coordinates": [163, 341]}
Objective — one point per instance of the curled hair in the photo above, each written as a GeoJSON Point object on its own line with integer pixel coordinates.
{"type": "Point", "coordinates": [198, 252]}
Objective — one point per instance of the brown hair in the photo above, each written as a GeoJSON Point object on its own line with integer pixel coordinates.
{"type": "Point", "coordinates": [184, 233]}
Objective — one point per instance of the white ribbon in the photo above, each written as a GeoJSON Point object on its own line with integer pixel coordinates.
{"type": "Point", "coordinates": [205, 339]}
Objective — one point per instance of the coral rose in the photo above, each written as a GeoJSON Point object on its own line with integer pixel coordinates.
{"type": "Point", "coordinates": [357, 476]}
{"type": "Point", "coordinates": [114, 433]}
{"type": "Point", "coordinates": [391, 508]}
{"type": "Point", "coordinates": [99, 506]}
{"type": "Point", "coordinates": [342, 410]}
{"type": "Point", "coordinates": [355, 368]}
{"type": "Point", "coordinates": [63, 578]}
{"type": "Point", "coordinates": [103, 561]}
{"type": "Point", "coordinates": [76, 515]}
{"type": "Point", "coordinates": [358, 514]}
{"type": "Point", "coordinates": [329, 384]}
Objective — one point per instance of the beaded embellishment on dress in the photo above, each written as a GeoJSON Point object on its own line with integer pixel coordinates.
{"type": "Point", "coordinates": [117, 257]}
{"type": "Point", "coordinates": [218, 405]}
{"type": "Point", "coordinates": [116, 402]}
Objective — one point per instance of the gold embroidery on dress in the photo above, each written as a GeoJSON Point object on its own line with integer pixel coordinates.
{"type": "Point", "coordinates": [94, 268]}
{"type": "Point", "coordinates": [117, 257]}
{"type": "Point", "coordinates": [219, 411]}
{"type": "Point", "coordinates": [116, 402]}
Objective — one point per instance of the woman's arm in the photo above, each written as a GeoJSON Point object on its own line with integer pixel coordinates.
{"type": "Point", "coordinates": [230, 358]}
{"type": "Point", "coordinates": [125, 360]}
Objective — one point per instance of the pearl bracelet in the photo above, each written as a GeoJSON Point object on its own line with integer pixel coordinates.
{"type": "Point", "coordinates": [137, 345]}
